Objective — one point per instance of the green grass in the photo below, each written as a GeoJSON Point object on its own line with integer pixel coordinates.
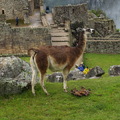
{"type": "Point", "coordinates": [102, 60]}
{"type": "Point", "coordinates": [13, 23]}
{"type": "Point", "coordinates": [98, 12]}
{"type": "Point", "coordinates": [101, 104]}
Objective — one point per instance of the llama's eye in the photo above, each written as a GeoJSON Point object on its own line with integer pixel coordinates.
{"type": "Point", "coordinates": [88, 30]}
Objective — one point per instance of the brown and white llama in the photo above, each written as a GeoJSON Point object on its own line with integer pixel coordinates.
{"type": "Point", "coordinates": [56, 58]}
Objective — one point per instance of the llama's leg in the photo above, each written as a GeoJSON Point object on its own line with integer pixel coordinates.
{"type": "Point", "coordinates": [65, 73]}
{"type": "Point", "coordinates": [42, 76]}
{"type": "Point", "coordinates": [34, 75]}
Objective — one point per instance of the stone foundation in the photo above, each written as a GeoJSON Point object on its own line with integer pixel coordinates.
{"type": "Point", "coordinates": [106, 46]}
{"type": "Point", "coordinates": [70, 12]}
{"type": "Point", "coordinates": [19, 40]}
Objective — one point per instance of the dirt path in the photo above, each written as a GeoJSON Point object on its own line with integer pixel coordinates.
{"type": "Point", "coordinates": [49, 19]}
{"type": "Point", "coordinates": [35, 19]}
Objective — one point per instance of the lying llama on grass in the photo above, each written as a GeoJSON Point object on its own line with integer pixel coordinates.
{"type": "Point", "coordinates": [56, 58]}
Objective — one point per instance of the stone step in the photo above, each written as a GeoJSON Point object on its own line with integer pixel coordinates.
{"type": "Point", "coordinates": [60, 43]}
{"type": "Point", "coordinates": [44, 21]}
{"type": "Point", "coordinates": [61, 28]}
{"type": "Point", "coordinates": [62, 34]}
{"type": "Point", "coordinates": [57, 31]}
{"type": "Point", "coordinates": [60, 39]}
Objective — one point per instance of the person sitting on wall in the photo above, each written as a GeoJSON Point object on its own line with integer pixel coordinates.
{"type": "Point", "coordinates": [47, 9]}
{"type": "Point", "coordinates": [86, 70]}
{"type": "Point", "coordinates": [17, 21]}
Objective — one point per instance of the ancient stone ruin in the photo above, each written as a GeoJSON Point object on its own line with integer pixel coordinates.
{"type": "Point", "coordinates": [53, 28]}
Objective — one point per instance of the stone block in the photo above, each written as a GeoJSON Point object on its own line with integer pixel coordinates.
{"type": "Point", "coordinates": [114, 70]}
{"type": "Point", "coordinates": [95, 72]}
{"type": "Point", "coordinates": [15, 75]}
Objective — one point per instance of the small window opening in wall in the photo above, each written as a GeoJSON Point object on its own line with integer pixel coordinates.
{"type": "Point", "coordinates": [73, 10]}
{"type": "Point", "coordinates": [3, 12]}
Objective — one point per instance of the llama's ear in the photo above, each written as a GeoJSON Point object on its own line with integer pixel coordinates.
{"type": "Point", "coordinates": [73, 31]}
{"type": "Point", "coordinates": [88, 30]}
{"type": "Point", "coordinates": [78, 29]}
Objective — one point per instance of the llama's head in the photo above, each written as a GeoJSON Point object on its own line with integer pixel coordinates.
{"type": "Point", "coordinates": [85, 31]}
{"type": "Point", "coordinates": [89, 31]}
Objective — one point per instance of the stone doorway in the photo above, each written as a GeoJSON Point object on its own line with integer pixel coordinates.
{"type": "Point", "coordinates": [3, 11]}
{"type": "Point", "coordinates": [36, 4]}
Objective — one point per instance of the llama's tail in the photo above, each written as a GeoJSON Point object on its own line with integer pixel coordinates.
{"type": "Point", "coordinates": [32, 51]}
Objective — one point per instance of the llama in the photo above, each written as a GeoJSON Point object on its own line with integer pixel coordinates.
{"type": "Point", "coordinates": [56, 58]}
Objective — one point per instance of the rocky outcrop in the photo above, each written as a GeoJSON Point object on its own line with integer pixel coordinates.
{"type": "Point", "coordinates": [15, 75]}
{"type": "Point", "coordinates": [76, 75]}
{"type": "Point", "coordinates": [73, 75]}
{"type": "Point", "coordinates": [95, 72]}
{"type": "Point", "coordinates": [114, 70]}
{"type": "Point", "coordinates": [55, 77]}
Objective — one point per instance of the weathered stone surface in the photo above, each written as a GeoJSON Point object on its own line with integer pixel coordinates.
{"type": "Point", "coordinates": [105, 46]}
{"type": "Point", "coordinates": [73, 75]}
{"type": "Point", "coordinates": [114, 70]}
{"type": "Point", "coordinates": [95, 72]}
{"type": "Point", "coordinates": [70, 12]}
{"type": "Point", "coordinates": [15, 75]}
{"type": "Point", "coordinates": [55, 77]}
{"type": "Point", "coordinates": [76, 75]}
{"type": "Point", "coordinates": [14, 8]}
{"type": "Point", "coordinates": [19, 40]}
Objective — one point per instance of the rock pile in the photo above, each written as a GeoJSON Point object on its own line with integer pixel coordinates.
{"type": "Point", "coordinates": [76, 75]}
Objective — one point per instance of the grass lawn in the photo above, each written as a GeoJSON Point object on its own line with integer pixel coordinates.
{"type": "Point", "coordinates": [101, 104]}
{"type": "Point", "coordinates": [13, 23]}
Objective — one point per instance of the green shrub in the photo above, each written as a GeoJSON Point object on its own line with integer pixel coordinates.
{"type": "Point", "coordinates": [117, 30]}
{"type": "Point", "coordinates": [98, 12]}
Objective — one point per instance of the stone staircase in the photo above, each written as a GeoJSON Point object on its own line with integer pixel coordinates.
{"type": "Point", "coordinates": [115, 35]}
{"type": "Point", "coordinates": [59, 37]}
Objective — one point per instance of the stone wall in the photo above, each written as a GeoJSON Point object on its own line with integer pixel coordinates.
{"type": "Point", "coordinates": [19, 40]}
{"type": "Point", "coordinates": [2, 18]}
{"type": "Point", "coordinates": [70, 12]}
{"type": "Point", "coordinates": [37, 3]}
{"type": "Point", "coordinates": [103, 25]}
{"type": "Point", "coordinates": [106, 46]}
{"type": "Point", "coordinates": [14, 8]}
{"type": "Point", "coordinates": [31, 6]}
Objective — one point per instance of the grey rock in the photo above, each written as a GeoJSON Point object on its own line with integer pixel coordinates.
{"type": "Point", "coordinates": [114, 70]}
{"type": "Point", "coordinates": [95, 72]}
{"type": "Point", "coordinates": [75, 75]}
{"type": "Point", "coordinates": [55, 77]}
{"type": "Point", "coordinates": [15, 75]}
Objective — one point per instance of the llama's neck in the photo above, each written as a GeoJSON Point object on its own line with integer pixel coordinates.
{"type": "Point", "coordinates": [82, 41]}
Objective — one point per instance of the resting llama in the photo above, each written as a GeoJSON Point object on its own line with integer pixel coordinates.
{"type": "Point", "coordinates": [56, 58]}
